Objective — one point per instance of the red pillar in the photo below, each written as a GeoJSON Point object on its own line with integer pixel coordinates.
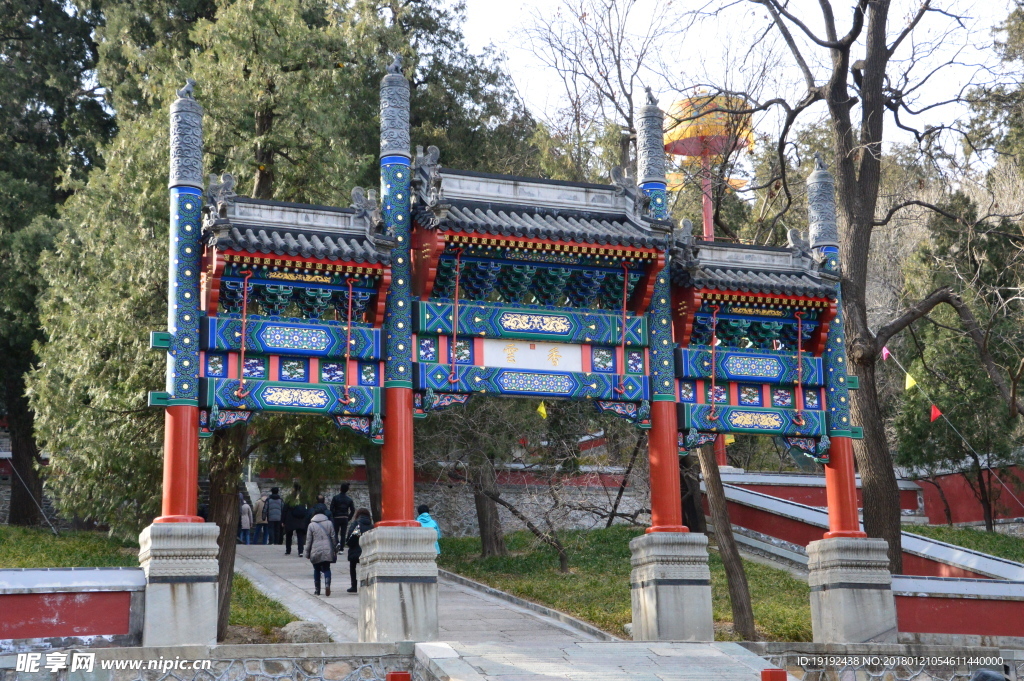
{"type": "Point", "coordinates": [721, 457]}
{"type": "Point", "coordinates": [663, 450]}
{"type": "Point", "coordinates": [181, 465]}
{"type": "Point", "coordinates": [841, 491]}
{"type": "Point", "coordinates": [397, 490]}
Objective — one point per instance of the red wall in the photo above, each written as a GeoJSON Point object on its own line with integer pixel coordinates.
{"type": "Point", "coordinates": [959, 616]}
{"type": "Point", "coordinates": [45, 615]}
{"type": "Point", "coordinates": [799, 532]}
{"type": "Point", "coordinates": [964, 505]}
{"type": "Point", "coordinates": [815, 496]}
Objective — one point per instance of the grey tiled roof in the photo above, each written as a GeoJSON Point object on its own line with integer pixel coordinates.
{"type": "Point", "coordinates": [754, 281]}
{"type": "Point", "coordinates": [297, 230]}
{"type": "Point", "coordinates": [556, 224]}
{"type": "Point", "coordinates": [750, 269]}
{"type": "Point", "coordinates": [298, 243]}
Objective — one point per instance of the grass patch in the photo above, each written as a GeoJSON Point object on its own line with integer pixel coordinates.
{"type": "Point", "coordinates": [994, 543]}
{"type": "Point", "coordinates": [597, 588]}
{"type": "Point", "coordinates": [251, 608]}
{"type": "Point", "coordinates": [29, 547]}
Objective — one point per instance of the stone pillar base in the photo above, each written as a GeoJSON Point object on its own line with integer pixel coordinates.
{"type": "Point", "coordinates": [851, 591]}
{"type": "Point", "coordinates": [670, 587]}
{"type": "Point", "coordinates": [180, 562]}
{"type": "Point", "coordinates": [397, 576]}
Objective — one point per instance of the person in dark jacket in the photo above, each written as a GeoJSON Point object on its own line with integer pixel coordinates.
{"type": "Point", "coordinates": [296, 519]}
{"type": "Point", "coordinates": [361, 524]}
{"type": "Point", "coordinates": [273, 513]}
{"type": "Point", "coordinates": [319, 507]}
{"type": "Point", "coordinates": [342, 509]}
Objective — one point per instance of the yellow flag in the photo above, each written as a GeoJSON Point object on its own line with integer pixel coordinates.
{"type": "Point", "coordinates": [910, 382]}
{"type": "Point", "coordinates": [729, 439]}
{"type": "Point", "coordinates": [542, 410]}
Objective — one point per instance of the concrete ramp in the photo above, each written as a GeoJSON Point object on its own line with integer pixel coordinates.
{"type": "Point", "coordinates": [590, 661]}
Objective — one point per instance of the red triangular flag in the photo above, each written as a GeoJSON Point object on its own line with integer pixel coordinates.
{"type": "Point", "coordinates": [935, 413]}
{"type": "Point", "coordinates": [885, 353]}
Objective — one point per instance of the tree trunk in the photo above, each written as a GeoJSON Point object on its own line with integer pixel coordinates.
{"type": "Point", "coordinates": [739, 592]}
{"type": "Point", "coordinates": [945, 502]}
{"type": "Point", "coordinates": [637, 448]}
{"type": "Point", "coordinates": [549, 538]}
{"type": "Point", "coordinates": [874, 462]}
{"type": "Point", "coordinates": [689, 481]}
{"type": "Point", "coordinates": [226, 463]}
{"type": "Point", "coordinates": [985, 497]}
{"type": "Point", "coordinates": [492, 540]}
{"type": "Point", "coordinates": [371, 455]}
{"type": "Point", "coordinates": [264, 153]}
{"type": "Point", "coordinates": [26, 485]}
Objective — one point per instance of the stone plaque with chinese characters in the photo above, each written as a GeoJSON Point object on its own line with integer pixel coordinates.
{"type": "Point", "coordinates": [532, 355]}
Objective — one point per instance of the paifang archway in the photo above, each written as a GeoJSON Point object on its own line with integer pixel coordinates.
{"type": "Point", "coordinates": [459, 283]}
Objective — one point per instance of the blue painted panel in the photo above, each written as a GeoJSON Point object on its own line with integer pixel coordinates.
{"type": "Point", "coordinates": [284, 396]}
{"type": "Point", "coordinates": [492, 320]}
{"type": "Point", "coordinates": [751, 367]}
{"type": "Point", "coordinates": [525, 383]}
{"type": "Point", "coordinates": [289, 337]}
{"type": "Point", "coordinates": [759, 421]}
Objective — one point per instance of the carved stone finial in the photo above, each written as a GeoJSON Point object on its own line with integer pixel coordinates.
{"type": "Point", "coordinates": [221, 191]}
{"type": "Point", "coordinates": [623, 180]}
{"type": "Point", "coordinates": [394, 112]}
{"type": "Point", "coordinates": [650, 144]}
{"type": "Point", "coordinates": [821, 206]}
{"type": "Point", "coordinates": [684, 232]}
{"type": "Point", "coordinates": [367, 206]}
{"type": "Point", "coordinates": [796, 241]}
{"type": "Point", "coordinates": [651, 99]}
{"type": "Point", "coordinates": [186, 140]}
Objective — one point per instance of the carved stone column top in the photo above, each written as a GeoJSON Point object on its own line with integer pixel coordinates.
{"type": "Point", "coordinates": [650, 145]}
{"type": "Point", "coordinates": [821, 206]}
{"type": "Point", "coordinates": [670, 555]}
{"type": "Point", "coordinates": [179, 550]}
{"type": "Point", "coordinates": [394, 112]}
{"type": "Point", "coordinates": [186, 140]}
{"type": "Point", "coordinates": [845, 560]}
{"type": "Point", "coordinates": [399, 551]}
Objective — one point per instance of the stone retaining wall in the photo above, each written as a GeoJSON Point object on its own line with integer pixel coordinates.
{"type": "Point", "coordinates": [453, 507]}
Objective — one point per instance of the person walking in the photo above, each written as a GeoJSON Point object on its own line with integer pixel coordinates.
{"type": "Point", "coordinates": [342, 509]}
{"type": "Point", "coordinates": [245, 518]}
{"type": "Point", "coordinates": [296, 519]}
{"type": "Point", "coordinates": [321, 550]}
{"type": "Point", "coordinates": [261, 534]}
{"type": "Point", "coordinates": [361, 524]}
{"type": "Point", "coordinates": [426, 520]}
{"type": "Point", "coordinates": [273, 511]}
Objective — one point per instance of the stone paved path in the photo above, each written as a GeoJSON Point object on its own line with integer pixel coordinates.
{"type": "Point", "coordinates": [591, 661]}
{"type": "Point", "coordinates": [463, 613]}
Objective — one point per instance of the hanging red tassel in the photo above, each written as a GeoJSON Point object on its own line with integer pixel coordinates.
{"type": "Point", "coordinates": [935, 413]}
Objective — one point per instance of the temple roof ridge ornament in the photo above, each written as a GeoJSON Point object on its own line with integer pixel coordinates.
{"type": "Point", "coordinates": [220, 192]}
{"type": "Point", "coordinates": [394, 112]}
{"type": "Point", "coordinates": [650, 145]}
{"type": "Point", "coordinates": [429, 184]}
{"type": "Point", "coordinates": [821, 206]}
{"type": "Point", "coordinates": [186, 167]}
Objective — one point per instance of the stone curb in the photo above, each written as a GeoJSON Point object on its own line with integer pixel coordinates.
{"type": "Point", "coordinates": [567, 620]}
